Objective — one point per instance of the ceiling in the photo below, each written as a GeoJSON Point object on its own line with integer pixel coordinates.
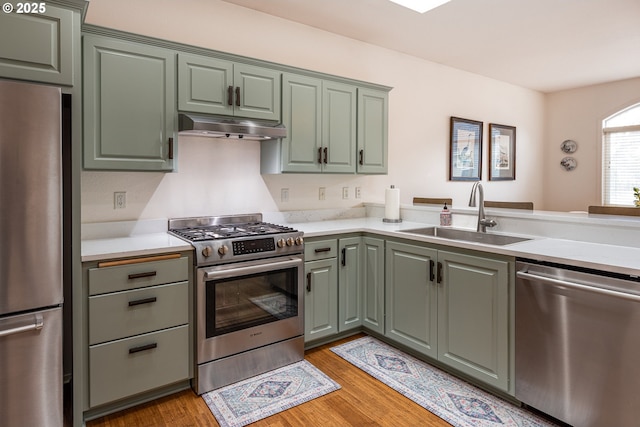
{"type": "Point", "coordinates": [544, 45]}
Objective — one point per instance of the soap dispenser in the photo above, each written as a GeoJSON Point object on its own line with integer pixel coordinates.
{"type": "Point", "coordinates": [445, 216]}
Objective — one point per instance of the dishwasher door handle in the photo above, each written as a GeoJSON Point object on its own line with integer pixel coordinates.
{"type": "Point", "coordinates": [571, 285]}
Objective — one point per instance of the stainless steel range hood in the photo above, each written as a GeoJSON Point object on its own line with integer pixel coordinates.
{"type": "Point", "coordinates": [227, 127]}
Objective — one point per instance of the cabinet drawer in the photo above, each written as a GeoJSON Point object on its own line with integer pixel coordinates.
{"type": "Point", "coordinates": [321, 249]}
{"type": "Point", "coordinates": [139, 275]}
{"type": "Point", "coordinates": [123, 314]}
{"type": "Point", "coordinates": [126, 367]}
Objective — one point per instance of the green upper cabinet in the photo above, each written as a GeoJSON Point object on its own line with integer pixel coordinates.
{"type": "Point", "coordinates": [39, 46]}
{"type": "Point", "coordinates": [332, 127]}
{"type": "Point", "coordinates": [373, 123]}
{"type": "Point", "coordinates": [302, 116]}
{"type": "Point", "coordinates": [129, 105]}
{"type": "Point", "coordinates": [338, 127]}
{"type": "Point", "coordinates": [215, 86]}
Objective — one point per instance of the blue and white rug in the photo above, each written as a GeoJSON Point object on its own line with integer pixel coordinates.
{"type": "Point", "coordinates": [454, 400]}
{"type": "Point", "coordinates": [261, 396]}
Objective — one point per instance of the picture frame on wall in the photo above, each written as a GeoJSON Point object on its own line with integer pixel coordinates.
{"type": "Point", "coordinates": [502, 152]}
{"type": "Point", "coordinates": [465, 154]}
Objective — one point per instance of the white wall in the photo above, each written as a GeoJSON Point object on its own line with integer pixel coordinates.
{"type": "Point", "coordinates": [577, 114]}
{"type": "Point", "coordinates": [216, 177]}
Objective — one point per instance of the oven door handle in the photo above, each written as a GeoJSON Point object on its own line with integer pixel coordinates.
{"type": "Point", "coordinates": [253, 268]}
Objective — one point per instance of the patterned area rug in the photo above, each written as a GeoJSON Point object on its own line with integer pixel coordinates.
{"type": "Point", "coordinates": [261, 396]}
{"type": "Point", "coordinates": [455, 401]}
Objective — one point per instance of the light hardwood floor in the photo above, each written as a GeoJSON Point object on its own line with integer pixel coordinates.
{"type": "Point", "coordinates": [362, 401]}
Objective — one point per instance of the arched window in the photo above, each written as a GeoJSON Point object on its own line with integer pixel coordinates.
{"type": "Point", "coordinates": [621, 156]}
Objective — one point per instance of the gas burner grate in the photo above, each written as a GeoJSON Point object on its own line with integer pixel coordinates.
{"type": "Point", "coordinates": [227, 231]}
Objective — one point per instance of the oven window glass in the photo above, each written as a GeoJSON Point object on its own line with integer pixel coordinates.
{"type": "Point", "coordinates": [242, 302]}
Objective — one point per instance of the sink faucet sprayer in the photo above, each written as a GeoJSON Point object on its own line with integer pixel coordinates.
{"type": "Point", "coordinates": [483, 223]}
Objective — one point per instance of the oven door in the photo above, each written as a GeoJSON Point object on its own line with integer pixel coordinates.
{"type": "Point", "coordinates": [247, 305]}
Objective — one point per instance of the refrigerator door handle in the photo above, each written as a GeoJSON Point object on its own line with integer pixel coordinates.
{"type": "Point", "coordinates": [36, 326]}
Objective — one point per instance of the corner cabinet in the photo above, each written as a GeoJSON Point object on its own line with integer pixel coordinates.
{"type": "Point", "coordinates": [41, 43]}
{"type": "Point", "coordinates": [332, 127]}
{"type": "Point", "coordinates": [453, 307]}
{"type": "Point", "coordinates": [129, 105]}
{"type": "Point", "coordinates": [215, 86]}
{"type": "Point", "coordinates": [345, 286]}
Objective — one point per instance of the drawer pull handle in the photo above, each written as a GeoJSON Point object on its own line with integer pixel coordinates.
{"type": "Point", "coordinates": [320, 250]}
{"type": "Point", "coordinates": [141, 275]}
{"type": "Point", "coordinates": [142, 301]}
{"type": "Point", "coordinates": [143, 348]}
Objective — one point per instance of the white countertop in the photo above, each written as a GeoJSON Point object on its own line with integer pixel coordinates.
{"type": "Point", "coordinates": [130, 246]}
{"type": "Point", "coordinates": [617, 259]}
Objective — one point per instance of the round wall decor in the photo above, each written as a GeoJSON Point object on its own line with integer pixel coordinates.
{"type": "Point", "coordinates": [569, 146]}
{"type": "Point", "coordinates": [569, 163]}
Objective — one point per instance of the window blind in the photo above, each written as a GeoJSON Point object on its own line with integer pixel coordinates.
{"type": "Point", "coordinates": [621, 164]}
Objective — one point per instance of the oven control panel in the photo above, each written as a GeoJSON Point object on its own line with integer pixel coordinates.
{"type": "Point", "coordinates": [253, 246]}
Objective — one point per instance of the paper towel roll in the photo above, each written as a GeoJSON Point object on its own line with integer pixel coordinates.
{"type": "Point", "coordinates": [392, 203]}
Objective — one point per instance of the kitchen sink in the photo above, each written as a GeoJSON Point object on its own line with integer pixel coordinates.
{"type": "Point", "coordinates": [466, 235]}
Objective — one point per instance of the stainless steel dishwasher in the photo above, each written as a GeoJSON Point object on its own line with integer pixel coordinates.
{"type": "Point", "coordinates": [577, 344]}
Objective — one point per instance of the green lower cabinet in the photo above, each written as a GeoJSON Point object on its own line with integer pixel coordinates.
{"type": "Point", "coordinates": [372, 278]}
{"type": "Point", "coordinates": [350, 284]}
{"type": "Point", "coordinates": [411, 297]}
{"type": "Point", "coordinates": [473, 317]}
{"type": "Point", "coordinates": [321, 299]}
{"type": "Point", "coordinates": [452, 307]}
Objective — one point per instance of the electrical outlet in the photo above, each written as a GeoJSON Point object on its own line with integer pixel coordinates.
{"type": "Point", "coordinates": [345, 192]}
{"type": "Point", "coordinates": [322, 193]}
{"type": "Point", "coordinates": [358, 193]}
{"type": "Point", "coordinates": [284, 195]}
{"type": "Point", "coordinates": [119, 200]}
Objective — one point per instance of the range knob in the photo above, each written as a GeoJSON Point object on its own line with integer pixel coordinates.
{"type": "Point", "coordinates": [290, 241]}
{"type": "Point", "coordinates": [281, 243]}
{"type": "Point", "coordinates": [299, 240]}
{"type": "Point", "coordinates": [222, 250]}
{"type": "Point", "coordinates": [207, 250]}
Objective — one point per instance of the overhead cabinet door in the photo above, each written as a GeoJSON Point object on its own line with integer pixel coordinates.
{"type": "Point", "coordinates": [338, 128]}
{"type": "Point", "coordinates": [215, 86]}
{"type": "Point", "coordinates": [129, 105]}
{"type": "Point", "coordinates": [372, 131]}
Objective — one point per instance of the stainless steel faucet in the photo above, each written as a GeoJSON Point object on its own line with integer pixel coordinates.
{"type": "Point", "coordinates": [483, 223]}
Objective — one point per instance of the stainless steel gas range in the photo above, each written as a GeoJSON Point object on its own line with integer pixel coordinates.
{"type": "Point", "coordinates": [249, 297]}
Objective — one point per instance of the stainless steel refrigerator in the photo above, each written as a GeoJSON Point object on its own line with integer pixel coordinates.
{"type": "Point", "coordinates": [31, 260]}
